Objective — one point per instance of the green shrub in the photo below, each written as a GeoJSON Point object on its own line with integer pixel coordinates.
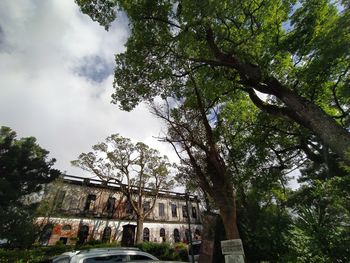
{"type": "Point", "coordinates": [182, 250]}
{"type": "Point", "coordinates": [36, 254]}
{"type": "Point", "coordinates": [165, 251]}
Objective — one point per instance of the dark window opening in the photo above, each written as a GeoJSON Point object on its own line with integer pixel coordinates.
{"type": "Point", "coordinates": [66, 228]}
{"type": "Point", "coordinates": [194, 212]}
{"type": "Point", "coordinates": [145, 234]}
{"type": "Point", "coordinates": [83, 234]}
{"type": "Point", "coordinates": [146, 206]}
{"type": "Point", "coordinates": [187, 235]}
{"type": "Point", "coordinates": [106, 237]}
{"type": "Point", "coordinates": [197, 234]}
{"type": "Point", "coordinates": [63, 240]}
{"type": "Point", "coordinates": [173, 210]}
{"type": "Point", "coordinates": [161, 209]}
{"type": "Point", "coordinates": [128, 208]}
{"type": "Point", "coordinates": [162, 232]}
{"type": "Point", "coordinates": [110, 204]}
{"type": "Point", "coordinates": [46, 234]}
{"type": "Point", "coordinates": [184, 211]}
{"type": "Point", "coordinates": [59, 198]}
{"type": "Point", "coordinates": [90, 202]}
{"type": "Point", "coordinates": [176, 235]}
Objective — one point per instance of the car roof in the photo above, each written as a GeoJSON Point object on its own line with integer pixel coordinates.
{"type": "Point", "coordinates": [78, 256]}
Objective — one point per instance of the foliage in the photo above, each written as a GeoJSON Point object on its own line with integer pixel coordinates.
{"type": "Point", "coordinates": [264, 228]}
{"type": "Point", "coordinates": [39, 253]}
{"type": "Point", "coordinates": [164, 251]}
{"type": "Point", "coordinates": [321, 231]}
{"type": "Point", "coordinates": [139, 170]}
{"type": "Point", "coordinates": [296, 52]}
{"type": "Point", "coordinates": [24, 168]}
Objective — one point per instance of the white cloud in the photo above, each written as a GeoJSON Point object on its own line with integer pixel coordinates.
{"type": "Point", "coordinates": [45, 93]}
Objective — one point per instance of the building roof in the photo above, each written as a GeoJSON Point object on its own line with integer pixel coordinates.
{"type": "Point", "coordinates": [112, 184]}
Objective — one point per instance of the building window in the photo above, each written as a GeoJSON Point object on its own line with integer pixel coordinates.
{"type": "Point", "coordinates": [176, 235]}
{"type": "Point", "coordinates": [46, 234]}
{"type": "Point", "coordinates": [187, 235]}
{"type": "Point", "coordinates": [66, 228]}
{"type": "Point", "coordinates": [63, 240]}
{"type": "Point", "coordinates": [161, 209]}
{"type": "Point", "coordinates": [128, 208]}
{"type": "Point", "coordinates": [162, 234]}
{"type": "Point", "coordinates": [146, 206]}
{"type": "Point", "coordinates": [59, 198]}
{"type": "Point", "coordinates": [184, 211]}
{"type": "Point", "coordinates": [197, 234]}
{"type": "Point", "coordinates": [83, 234]}
{"type": "Point", "coordinates": [90, 202]}
{"type": "Point", "coordinates": [173, 210]}
{"type": "Point", "coordinates": [145, 234]}
{"type": "Point", "coordinates": [194, 212]}
{"type": "Point", "coordinates": [110, 204]}
{"type": "Point", "coordinates": [106, 237]}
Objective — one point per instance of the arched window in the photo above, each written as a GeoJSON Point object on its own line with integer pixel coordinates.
{"type": "Point", "coordinates": [187, 235]}
{"type": "Point", "coordinates": [162, 235]}
{"type": "Point", "coordinates": [83, 234]}
{"type": "Point", "coordinates": [106, 237]}
{"type": "Point", "coordinates": [197, 234]}
{"type": "Point", "coordinates": [162, 232]}
{"type": "Point", "coordinates": [66, 228]}
{"type": "Point", "coordinates": [46, 234]}
{"type": "Point", "coordinates": [145, 234]}
{"type": "Point", "coordinates": [176, 235]}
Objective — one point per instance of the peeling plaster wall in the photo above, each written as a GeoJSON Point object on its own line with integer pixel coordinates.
{"type": "Point", "coordinates": [71, 210]}
{"type": "Point", "coordinates": [97, 226]}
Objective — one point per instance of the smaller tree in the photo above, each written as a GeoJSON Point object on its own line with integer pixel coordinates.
{"type": "Point", "coordinates": [24, 169]}
{"type": "Point", "coordinates": [140, 171]}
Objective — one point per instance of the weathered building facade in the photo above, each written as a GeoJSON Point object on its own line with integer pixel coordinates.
{"type": "Point", "coordinates": [81, 210]}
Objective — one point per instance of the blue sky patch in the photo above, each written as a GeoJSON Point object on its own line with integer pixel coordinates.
{"type": "Point", "coordinates": [94, 68]}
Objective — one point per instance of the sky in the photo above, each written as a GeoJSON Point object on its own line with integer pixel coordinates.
{"type": "Point", "coordinates": [56, 74]}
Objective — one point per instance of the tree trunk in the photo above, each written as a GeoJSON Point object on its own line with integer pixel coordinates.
{"type": "Point", "coordinates": [311, 116]}
{"type": "Point", "coordinates": [226, 202]}
{"type": "Point", "coordinates": [139, 230]}
{"type": "Point", "coordinates": [229, 220]}
{"type": "Point", "coordinates": [299, 109]}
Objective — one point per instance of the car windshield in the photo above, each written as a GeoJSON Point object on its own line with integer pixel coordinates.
{"type": "Point", "coordinates": [107, 259]}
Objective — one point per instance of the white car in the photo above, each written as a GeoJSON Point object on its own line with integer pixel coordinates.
{"type": "Point", "coordinates": [104, 255]}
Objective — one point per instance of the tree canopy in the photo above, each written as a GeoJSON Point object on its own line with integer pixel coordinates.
{"type": "Point", "coordinates": [295, 52]}
{"type": "Point", "coordinates": [139, 170]}
{"type": "Point", "coordinates": [24, 169]}
{"type": "Point", "coordinates": [212, 61]}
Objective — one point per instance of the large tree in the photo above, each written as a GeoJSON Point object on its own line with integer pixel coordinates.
{"type": "Point", "coordinates": [295, 52]}
{"type": "Point", "coordinates": [139, 170]}
{"type": "Point", "coordinates": [24, 169]}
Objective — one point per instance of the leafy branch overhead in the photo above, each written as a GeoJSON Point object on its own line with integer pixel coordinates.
{"type": "Point", "coordinates": [295, 53]}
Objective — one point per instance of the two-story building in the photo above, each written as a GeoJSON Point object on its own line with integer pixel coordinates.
{"type": "Point", "coordinates": [79, 210]}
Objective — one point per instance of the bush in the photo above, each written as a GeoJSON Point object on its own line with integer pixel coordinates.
{"type": "Point", "coordinates": [164, 251]}
{"type": "Point", "coordinates": [182, 250]}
